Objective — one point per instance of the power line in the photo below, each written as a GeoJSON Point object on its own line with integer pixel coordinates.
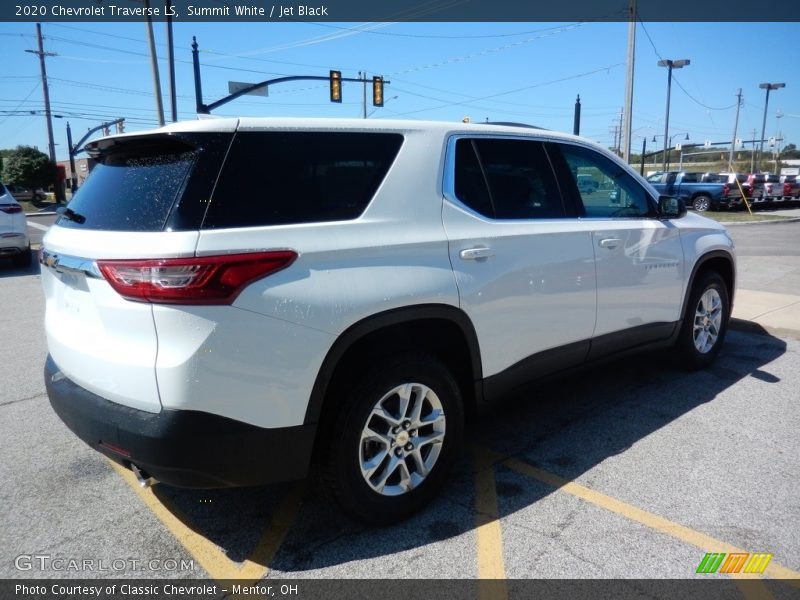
{"type": "Point", "coordinates": [515, 90]}
{"type": "Point", "coordinates": [35, 87]}
{"type": "Point", "coordinates": [438, 37]}
{"type": "Point", "coordinates": [674, 78]}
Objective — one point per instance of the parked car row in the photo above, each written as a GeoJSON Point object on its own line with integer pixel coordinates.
{"type": "Point", "coordinates": [716, 191]}
{"type": "Point", "coordinates": [765, 187]}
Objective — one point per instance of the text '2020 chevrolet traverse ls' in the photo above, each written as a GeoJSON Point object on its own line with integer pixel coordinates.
{"type": "Point", "coordinates": [227, 298]}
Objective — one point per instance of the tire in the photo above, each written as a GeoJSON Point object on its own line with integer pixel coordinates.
{"type": "Point", "coordinates": [376, 467]}
{"type": "Point", "coordinates": [24, 260]}
{"type": "Point", "coordinates": [701, 203]}
{"type": "Point", "coordinates": [705, 322]}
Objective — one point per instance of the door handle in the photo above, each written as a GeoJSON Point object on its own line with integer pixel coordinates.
{"type": "Point", "coordinates": [476, 253]}
{"type": "Point", "coordinates": [610, 243]}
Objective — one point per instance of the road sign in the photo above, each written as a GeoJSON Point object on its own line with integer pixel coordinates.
{"type": "Point", "coordinates": [772, 142]}
{"type": "Point", "coordinates": [707, 144]}
{"type": "Point", "coordinates": [236, 86]}
{"type": "Point", "coordinates": [739, 143]}
{"type": "Point", "coordinates": [678, 147]}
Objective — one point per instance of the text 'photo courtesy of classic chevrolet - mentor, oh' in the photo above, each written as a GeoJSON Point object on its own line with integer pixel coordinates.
{"type": "Point", "coordinates": [230, 301]}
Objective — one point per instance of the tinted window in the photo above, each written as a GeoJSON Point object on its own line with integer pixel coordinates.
{"type": "Point", "coordinates": [470, 184]}
{"type": "Point", "coordinates": [507, 179]}
{"type": "Point", "coordinates": [620, 195]}
{"type": "Point", "coordinates": [138, 181]}
{"type": "Point", "coordinates": [689, 178]}
{"type": "Point", "coordinates": [275, 178]}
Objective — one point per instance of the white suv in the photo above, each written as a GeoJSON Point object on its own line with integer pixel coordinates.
{"type": "Point", "coordinates": [228, 298]}
{"type": "Point", "coordinates": [14, 241]}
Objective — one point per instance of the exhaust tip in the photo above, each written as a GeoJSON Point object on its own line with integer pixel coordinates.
{"type": "Point", "coordinates": [143, 477]}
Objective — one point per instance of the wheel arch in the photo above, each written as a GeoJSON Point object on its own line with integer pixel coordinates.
{"type": "Point", "coordinates": [448, 332]}
{"type": "Point", "coordinates": [715, 260]}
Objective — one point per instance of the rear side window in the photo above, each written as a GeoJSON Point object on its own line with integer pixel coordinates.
{"type": "Point", "coordinates": [278, 178]}
{"type": "Point", "coordinates": [147, 183]}
{"type": "Point", "coordinates": [132, 191]}
{"type": "Point", "coordinates": [507, 179]}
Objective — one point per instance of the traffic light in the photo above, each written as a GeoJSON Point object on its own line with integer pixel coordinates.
{"type": "Point", "coordinates": [336, 86]}
{"type": "Point", "coordinates": [377, 91]}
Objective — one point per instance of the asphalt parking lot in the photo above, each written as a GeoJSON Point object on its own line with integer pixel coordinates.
{"type": "Point", "coordinates": [633, 470]}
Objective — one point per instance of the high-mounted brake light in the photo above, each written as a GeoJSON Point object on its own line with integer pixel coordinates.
{"type": "Point", "coordinates": [196, 280]}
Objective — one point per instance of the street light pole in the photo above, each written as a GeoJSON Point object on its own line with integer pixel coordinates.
{"type": "Point", "coordinates": [670, 64]}
{"type": "Point", "coordinates": [768, 87]}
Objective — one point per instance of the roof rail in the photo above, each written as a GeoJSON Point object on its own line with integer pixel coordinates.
{"type": "Point", "coordinates": [511, 124]}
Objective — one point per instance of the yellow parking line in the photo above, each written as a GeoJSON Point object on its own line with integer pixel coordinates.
{"type": "Point", "coordinates": [653, 521]}
{"type": "Point", "coordinates": [491, 567]}
{"type": "Point", "coordinates": [208, 554]}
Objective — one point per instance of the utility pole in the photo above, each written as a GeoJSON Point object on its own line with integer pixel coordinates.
{"type": "Point", "coordinates": [51, 145]}
{"type": "Point", "coordinates": [753, 153]}
{"type": "Point", "coordinates": [628, 118]}
{"type": "Point", "coordinates": [576, 123]}
{"type": "Point", "coordinates": [735, 126]}
{"type": "Point", "coordinates": [171, 61]}
{"type": "Point", "coordinates": [154, 63]}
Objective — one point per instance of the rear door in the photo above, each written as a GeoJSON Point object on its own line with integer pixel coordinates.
{"type": "Point", "coordinates": [136, 204]}
{"type": "Point", "coordinates": [525, 276]}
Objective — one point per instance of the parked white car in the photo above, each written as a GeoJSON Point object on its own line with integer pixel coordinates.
{"type": "Point", "coordinates": [14, 241]}
{"type": "Point", "coordinates": [228, 299]}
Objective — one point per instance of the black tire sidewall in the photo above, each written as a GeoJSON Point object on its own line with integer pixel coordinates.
{"type": "Point", "coordinates": [343, 473]}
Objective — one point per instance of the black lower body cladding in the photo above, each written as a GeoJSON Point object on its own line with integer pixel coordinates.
{"type": "Point", "coordinates": [181, 448]}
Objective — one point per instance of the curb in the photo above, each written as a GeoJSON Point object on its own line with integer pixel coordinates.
{"type": "Point", "coordinates": [759, 329]}
{"type": "Point", "coordinates": [769, 222]}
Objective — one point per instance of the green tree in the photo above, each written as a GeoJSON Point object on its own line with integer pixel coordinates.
{"type": "Point", "coordinates": [28, 167]}
{"type": "Point", "coordinates": [4, 154]}
{"type": "Point", "coordinates": [790, 151]}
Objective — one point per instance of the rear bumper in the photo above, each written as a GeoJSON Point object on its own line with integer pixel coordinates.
{"type": "Point", "coordinates": [181, 447]}
{"type": "Point", "coordinates": [12, 243]}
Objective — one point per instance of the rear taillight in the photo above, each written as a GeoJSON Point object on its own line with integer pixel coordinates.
{"type": "Point", "coordinates": [726, 189]}
{"type": "Point", "coordinates": [11, 209]}
{"type": "Point", "coordinates": [198, 280]}
{"type": "Point", "coordinates": [787, 189]}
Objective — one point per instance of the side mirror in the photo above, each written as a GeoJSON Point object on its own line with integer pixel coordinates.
{"type": "Point", "coordinates": [670, 207]}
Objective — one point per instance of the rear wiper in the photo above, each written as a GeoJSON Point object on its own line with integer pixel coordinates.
{"type": "Point", "coordinates": [70, 214]}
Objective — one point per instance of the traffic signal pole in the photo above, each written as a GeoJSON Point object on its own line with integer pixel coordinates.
{"type": "Point", "coordinates": [73, 150]}
{"type": "Point", "coordinates": [335, 76]}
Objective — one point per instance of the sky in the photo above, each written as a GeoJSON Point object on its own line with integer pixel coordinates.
{"type": "Point", "coordinates": [520, 72]}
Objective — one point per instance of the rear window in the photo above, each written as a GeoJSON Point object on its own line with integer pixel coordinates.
{"type": "Point", "coordinates": [139, 182]}
{"type": "Point", "coordinates": [279, 178]}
